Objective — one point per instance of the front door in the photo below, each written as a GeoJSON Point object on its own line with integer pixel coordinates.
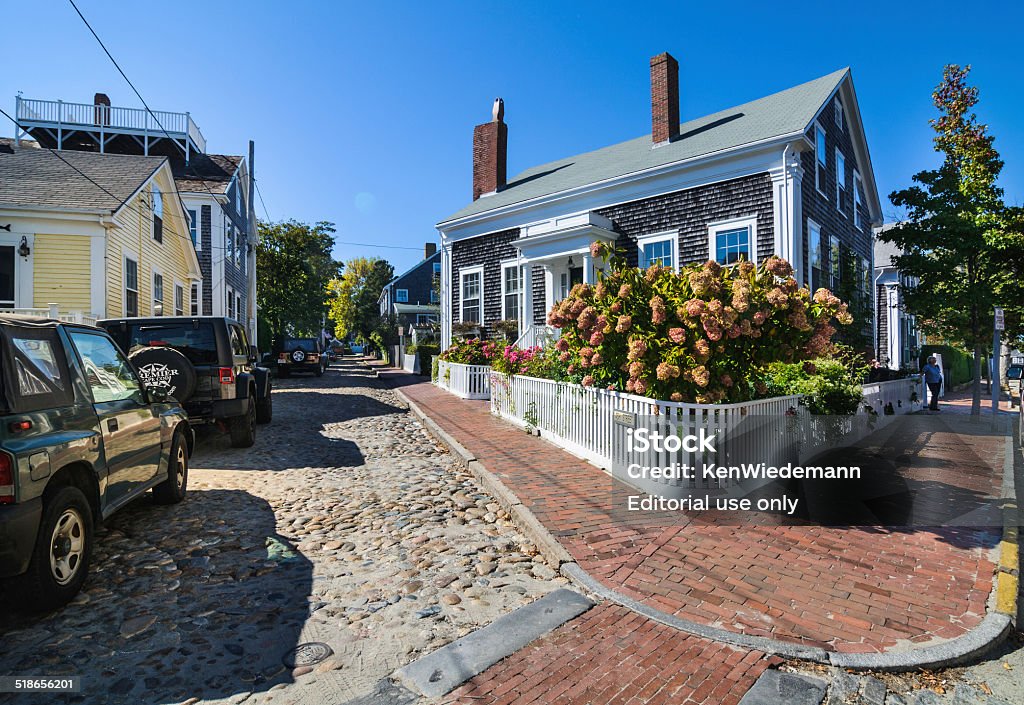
{"type": "Point", "coordinates": [8, 289]}
{"type": "Point", "coordinates": [575, 276]}
{"type": "Point", "coordinates": [130, 426]}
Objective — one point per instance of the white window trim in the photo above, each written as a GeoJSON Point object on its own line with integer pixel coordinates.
{"type": "Point", "coordinates": [671, 236]}
{"type": "Point", "coordinates": [199, 298]}
{"type": "Point", "coordinates": [835, 246]}
{"type": "Point", "coordinates": [748, 221]}
{"type": "Point", "coordinates": [194, 222]}
{"type": "Point", "coordinates": [398, 297]}
{"type": "Point", "coordinates": [463, 273]}
{"type": "Point", "coordinates": [512, 264]}
{"type": "Point", "coordinates": [229, 302]}
{"type": "Point", "coordinates": [125, 256]}
{"type": "Point", "coordinates": [839, 114]}
{"type": "Point", "coordinates": [818, 166]}
{"type": "Point", "coordinates": [437, 269]}
{"type": "Point", "coordinates": [435, 298]}
{"type": "Point", "coordinates": [812, 227]}
{"type": "Point", "coordinates": [178, 284]}
{"type": "Point", "coordinates": [840, 180]}
{"type": "Point", "coordinates": [155, 192]}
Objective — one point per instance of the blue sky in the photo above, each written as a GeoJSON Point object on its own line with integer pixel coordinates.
{"type": "Point", "coordinates": [363, 113]}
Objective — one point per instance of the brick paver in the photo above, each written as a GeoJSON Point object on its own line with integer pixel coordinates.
{"type": "Point", "coordinates": [845, 589]}
{"type": "Point", "coordinates": [612, 655]}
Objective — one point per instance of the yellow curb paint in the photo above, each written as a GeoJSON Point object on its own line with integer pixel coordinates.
{"type": "Point", "coordinates": [1008, 556]}
{"type": "Point", "coordinates": [1006, 594]}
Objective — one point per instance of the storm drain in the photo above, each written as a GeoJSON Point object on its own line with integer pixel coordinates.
{"type": "Point", "coordinates": [308, 654]}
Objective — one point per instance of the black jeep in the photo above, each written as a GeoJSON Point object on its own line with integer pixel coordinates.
{"type": "Point", "coordinates": [302, 355]}
{"type": "Point", "coordinates": [206, 363]}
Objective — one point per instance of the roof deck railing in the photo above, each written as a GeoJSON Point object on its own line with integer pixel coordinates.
{"type": "Point", "coordinates": [59, 115]}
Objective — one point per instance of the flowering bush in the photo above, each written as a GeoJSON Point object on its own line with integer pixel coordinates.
{"type": "Point", "coordinates": [532, 362]}
{"type": "Point", "coordinates": [829, 385]}
{"type": "Point", "coordinates": [699, 335]}
{"type": "Point", "coordinates": [472, 351]}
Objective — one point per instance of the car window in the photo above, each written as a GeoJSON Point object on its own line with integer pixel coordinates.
{"type": "Point", "coordinates": [107, 372]}
{"type": "Point", "coordinates": [37, 367]}
{"type": "Point", "coordinates": [198, 343]}
{"type": "Point", "coordinates": [1014, 372]}
{"type": "Point", "coordinates": [307, 344]}
{"type": "Point", "coordinates": [237, 345]}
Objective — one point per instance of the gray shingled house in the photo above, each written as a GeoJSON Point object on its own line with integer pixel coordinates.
{"type": "Point", "coordinates": [411, 296]}
{"type": "Point", "coordinates": [788, 174]}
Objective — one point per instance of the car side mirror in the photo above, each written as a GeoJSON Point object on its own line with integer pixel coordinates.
{"type": "Point", "coordinates": [158, 395]}
{"type": "Point", "coordinates": [254, 354]}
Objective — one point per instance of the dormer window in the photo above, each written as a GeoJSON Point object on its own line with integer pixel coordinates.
{"type": "Point", "coordinates": [158, 215]}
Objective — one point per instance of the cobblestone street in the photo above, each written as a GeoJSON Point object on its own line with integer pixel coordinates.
{"type": "Point", "coordinates": [345, 524]}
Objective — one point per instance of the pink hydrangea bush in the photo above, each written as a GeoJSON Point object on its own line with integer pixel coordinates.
{"type": "Point", "coordinates": [470, 352]}
{"type": "Point", "coordinates": [700, 335]}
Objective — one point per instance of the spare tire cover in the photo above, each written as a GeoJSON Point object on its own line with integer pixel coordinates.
{"type": "Point", "coordinates": [298, 355]}
{"type": "Point", "coordinates": [168, 368]}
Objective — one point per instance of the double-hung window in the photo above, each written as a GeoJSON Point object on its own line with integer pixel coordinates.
{"type": "Point", "coordinates": [158, 215]}
{"type": "Point", "coordinates": [820, 158]}
{"type": "Point", "coordinates": [195, 309]}
{"type": "Point", "coordinates": [402, 296]}
{"type": "Point", "coordinates": [840, 179]}
{"type": "Point", "coordinates": [817, 266]}
{"type": "Point", "coordinates": [511, 287]}
{"type": "Point", "coordinates": [731, 241]}
{"type": "Point", "coordinates": [131, 286]}
{"type": "Point", "coordinates": [193, 225]}
{"type": "Point", "coordinates": [835, 261]}
{"type": "Point", "coordinates": [158, 293]}
{"type": "Point", "coordinates": [858, 186]}
{"type": "Point", "coordinates": [179, 300]}
{"type": "Point", "coordinates": [471, 299]}
{"type": "Point", "coordinates": [657, 249]}
{"type": "Point", "coordinates": [230, 301]}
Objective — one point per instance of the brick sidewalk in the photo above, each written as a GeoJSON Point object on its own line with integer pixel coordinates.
{"type": "Point", "coordinates": [844, 589]}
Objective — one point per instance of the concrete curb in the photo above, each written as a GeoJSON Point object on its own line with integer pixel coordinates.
{"type": "Point", "coordinates": [992, 630]}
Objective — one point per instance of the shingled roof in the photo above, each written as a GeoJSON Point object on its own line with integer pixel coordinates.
{"type": "Point", "coordinates": [788, 112]}
{"type": "Point", "coordinates": [40, 178]}
{"type": "Point", "coordinates": [205, 172]}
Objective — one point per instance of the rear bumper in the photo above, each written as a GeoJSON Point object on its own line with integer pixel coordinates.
{"type": "Point", "coordinates": [210, 411]}
{"type": "Point", "coordinates": [19, 524]}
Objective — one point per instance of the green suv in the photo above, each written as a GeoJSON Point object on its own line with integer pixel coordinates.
{"type": "Point", "coordinates": [80, 437]}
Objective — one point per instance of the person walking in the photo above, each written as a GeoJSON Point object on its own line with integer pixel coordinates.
{"type": "Point", "coordinates": [933, 378]}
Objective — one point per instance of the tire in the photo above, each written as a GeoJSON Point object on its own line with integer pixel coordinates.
{"type": "Point", "coordinates": [168, 368]}
{"type": "Point", "coordinates": [172, 490]}
{"type": "Point", "coordinates": [243, 428]}
{"type": "Point", "coordinates": [265, 409]}
{"type": "Point", "coordinates": [52, 579]}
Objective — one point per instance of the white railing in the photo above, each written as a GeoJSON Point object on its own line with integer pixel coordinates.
{"type": "Point", "coordinates": [466, 381]}
{"type": "Point", "coordinates": [54, 314]}
{"type": "Point", "coordinates": [583, 420]}
{"type": "Point", "coordinates": [88, 116]}
{"type": "Point", "coordinates": [905, 395]}
{"type": "Point", "coordinates": [535, 335]}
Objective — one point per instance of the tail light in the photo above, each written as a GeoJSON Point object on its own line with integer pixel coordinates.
{"type": "Point", "coordinates": [6, 479]}
{"type": "Point", "coordinates": [227, 375]}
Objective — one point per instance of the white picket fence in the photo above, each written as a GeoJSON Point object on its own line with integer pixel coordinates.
{"type": "Point", "coordinates": [905, 395]}
{"type": "Point", "coordinates": [466, 381]}
{"type": "Point", "coordinates": [583, 420]}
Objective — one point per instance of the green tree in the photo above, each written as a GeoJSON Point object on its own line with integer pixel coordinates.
{"type": "Point", "coordinates": [295, 268]}
{"type": "Point", "coordinates": [354, 308]}
{"type": "Point", "coordinates": [955, 239]}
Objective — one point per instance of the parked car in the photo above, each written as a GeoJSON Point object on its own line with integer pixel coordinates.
{"type": "Point", "coordinates": [81, 436]}
{"type": "Point", "coordinates": [206, 363]}
{"type": "Point", "coordinates": [1013, 380]}
{"type": "Point", "coordinates": [302, 355]}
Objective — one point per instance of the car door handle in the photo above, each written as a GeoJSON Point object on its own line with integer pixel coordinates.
{"type": "Point", "coordinates": [112, 425]}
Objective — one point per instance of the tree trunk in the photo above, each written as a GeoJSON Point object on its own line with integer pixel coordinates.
{"type": "Point", "coordinates": [979, 352]}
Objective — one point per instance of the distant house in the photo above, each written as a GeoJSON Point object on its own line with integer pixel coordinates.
{"type": "Point", "coordinates": [217, 190]}
{"type": "Point", "coordinates": [412, 296]}
{"type": "Point", "coordinates": [96, 234]}
{"type": "Point", "coordinates": [898, 340]}
{"type": "Point", "coordinates": [788, 174]}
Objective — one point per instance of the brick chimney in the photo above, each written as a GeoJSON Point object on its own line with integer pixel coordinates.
{"type": "Point", "coordinates": [429, 250]}
{"type": "Point", "coordinates": [490, 150]}
{"type": "Point", "coordinates": [664, 98]}
{"type": "Point", "coordinates": [102, 109]}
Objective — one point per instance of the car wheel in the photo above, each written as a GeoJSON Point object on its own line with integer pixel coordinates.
{"type": "Point", "coordinates": [265, 409]}
{"type": "Point", "coordinates": [172, 490]}
{"type": "Point", "coordinates": [60, 561]}
{"type": "Point", "coordinates": [243, 428]}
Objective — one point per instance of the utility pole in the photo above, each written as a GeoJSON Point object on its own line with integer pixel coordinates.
{"type": "Point", "coordinates": [1000, 325]}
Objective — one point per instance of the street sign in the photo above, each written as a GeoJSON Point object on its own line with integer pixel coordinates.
{"type": "Point", "coordinates": [401, 331]}
{"type": "Point", "coordinates": [1000, 321]}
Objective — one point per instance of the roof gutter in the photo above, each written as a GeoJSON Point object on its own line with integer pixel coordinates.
{"type": "Point", "coordinates": [446, 225]}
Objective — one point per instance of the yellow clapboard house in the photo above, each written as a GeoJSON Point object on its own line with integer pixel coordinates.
{"type": "Point", "coordinates": [92, 235]}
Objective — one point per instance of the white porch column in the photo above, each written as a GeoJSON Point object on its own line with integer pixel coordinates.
{"type": "Point", "coordinates": [549, 288]}
{"type": "Point", "coordinates": [787, 221]}
{"type": "Point", "coordinates": [526, 317]}
{"type": "Point", "coordinates": [446, 294]}
{"type": "Point", "coordinates": [588, 268]}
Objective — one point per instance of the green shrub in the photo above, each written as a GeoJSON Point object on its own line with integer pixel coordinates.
{"type": "Point", "coordinates": [957, 365]}
{"type": "Point", "coordinates": [829, 385]}
{"type": "Point", "coordinates": [426, 351]}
